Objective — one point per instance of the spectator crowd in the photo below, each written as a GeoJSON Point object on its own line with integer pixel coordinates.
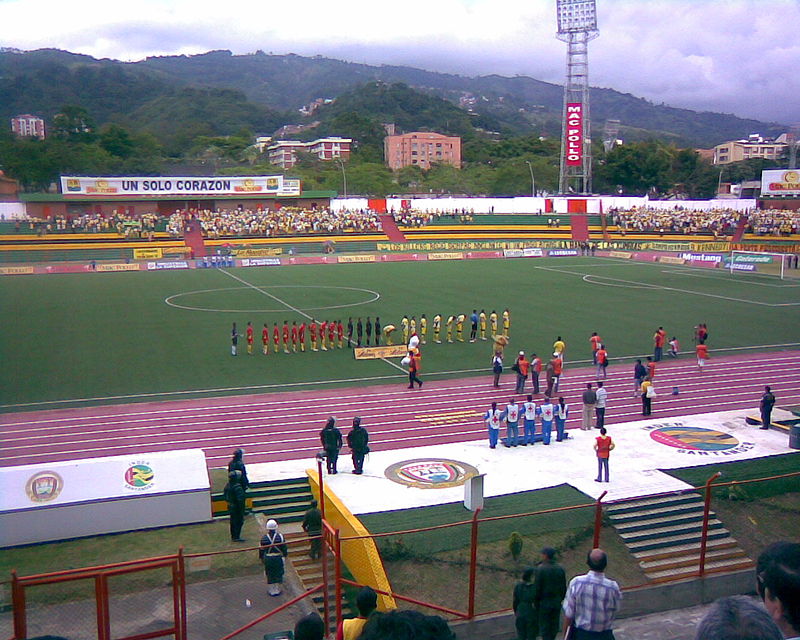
{"type": "Point", "coordinates": [685, 221]}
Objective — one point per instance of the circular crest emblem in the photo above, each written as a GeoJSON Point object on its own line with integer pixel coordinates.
{"type": "Point", "coordinates": [139, 476]}
{"type": "Point", "coordinates": [44, 486]}
{"type": "Point", "coordinates": [695, 438]}
{"type": "Point", "coordinates": [431, 473]}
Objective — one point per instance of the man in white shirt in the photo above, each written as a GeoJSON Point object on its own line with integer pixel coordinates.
{"type": "Point", "coordinates": [493, 418]}
{"type": "Point", "coordinates": [529, 414]}
{"type": "Point", "coordinates": [547, 412]}
{"type": "Point", "coordinates": [600, 405]}
{"type": "Point", "coordinates": [512, 423]}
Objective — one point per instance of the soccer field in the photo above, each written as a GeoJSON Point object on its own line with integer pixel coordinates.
{"type": "Point", "coordinates": [113, 337]}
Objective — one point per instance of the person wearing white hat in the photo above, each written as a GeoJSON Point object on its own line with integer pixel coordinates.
{"type": "Point", "coordinates": [272, 552]}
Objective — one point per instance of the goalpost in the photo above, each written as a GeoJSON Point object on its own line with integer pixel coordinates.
{"type": "Point", "coordinates": [761, 262]}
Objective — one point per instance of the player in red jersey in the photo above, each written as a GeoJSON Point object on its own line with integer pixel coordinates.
{"type": "Point", "coordinates": [301, 335]}
{"type": "Point", "coordinates": [276, 337]}
{"type": "Point", "coordinates": [323, 332]}
{"type": "Point", "coordinates": [294, 336]}
{"type": "Point", "coordinates": [286, 336]}
{"type": "Point", "coordinates": [249, 338]}
{"type": "Point", "coordinates": [332, 334]}
{"type": "Point", "coordinates": [312, 330]}
{"type": "Point", "coordinates": [340, 332]}
{"type": "Point", "coordinates": [265, 339]}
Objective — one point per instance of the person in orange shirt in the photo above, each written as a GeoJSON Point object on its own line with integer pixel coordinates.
{"type": "Point", "coordinates": [601, 360]}
{"type": "Point", "coordinates": [702, 355]}
{"type": "Point", "coordinates": [265, 339]}
{"type": "Point", "coordinates": [651, 368]}
{"type": "Point", "coordinates": [595, 341]}
{"type": "Point", "coordinates": [522, 368]}
{"type": "Point", "coordinates": [603, 446]}
{"type": "Point", "coordinates": [312, 330]}
{"type": "Point", "coordinates": [659, 338]}
{"type": "Point", "coordinates": [558, 370]}
{"type": "Point", "coordinates": [249, 338]}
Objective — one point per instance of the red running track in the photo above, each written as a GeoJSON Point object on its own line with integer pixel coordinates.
{"type": "Point", "coordinates": [285, 426]}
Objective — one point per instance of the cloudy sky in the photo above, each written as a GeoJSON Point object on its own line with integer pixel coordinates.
{"type": "Point", "coordinates": [734, 56]}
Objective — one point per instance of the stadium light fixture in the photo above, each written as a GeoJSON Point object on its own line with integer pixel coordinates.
{"type": "Point", "coordinates": [576, 15]}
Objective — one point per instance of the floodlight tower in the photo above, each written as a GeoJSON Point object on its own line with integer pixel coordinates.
{"type": "Point", "coordinates": [577, 25]}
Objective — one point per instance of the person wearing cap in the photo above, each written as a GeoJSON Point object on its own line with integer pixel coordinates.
{"type": "Point", "coordinates": [331, 439]}
{"type": "Point", "coordinates": [358, 440]}
{"type": "Point", "coordinates": [272, 552]}
{"type": "Point", "coordinates": [366, 603]}
{"type": "Point", "coordinates": [234, 496]}
{"type": "Point", "coordinates": [521, 367]}
{"type": "Point", "coordinates": [549, 589]}
{"type": "Point", "coordinates": [237, 464]}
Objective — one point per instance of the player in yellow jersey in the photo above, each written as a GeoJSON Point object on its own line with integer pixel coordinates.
{"type": "Point", "coordinates": [413, 325]}
{"type": "Point", "coordinates": [437, 328]}
{"type": "Point", "coordinates": [387, 333]}
{"type": "Point", "coordinates": [460, 327]}
{"type": "Point", "coordinates": [404, 324]}
{"type": "Point", "coordinates": [493, 322]}
{"type": "Point", "coordinates": [423, 328]}
{"type": "Point", "coordinates": [506, 322]}
{"type": "Point", "coordinates": [450, 321]}
{"type": "Point", "coordinates": [482, 320]}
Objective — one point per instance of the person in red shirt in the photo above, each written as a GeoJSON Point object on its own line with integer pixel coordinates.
{"type": "Point", "coordinates": [312, 330]}
{"type": "Point", "coordinates": [413, 369]}
{"type": "Point", "coordinates": [536, 369]}
{"type": "Point", "coordinates": [603, 446]}
{"type": "Point", "coordinates": [249, 338]}
{"type": "Point", "coordinates": [659, 338]}
{"type": "Point", "coordinates": [558, 369]}
{"type": "Point", "coordinates": [601, 360]}
{"type": "Point", "coordinates": [332, 334]}
{"type": "Point", "coordinates": [276, 337]}
{"type": "Point", "coordinates": [301, 336]}
{"type": "Point", "coordinates": [286, 336]}
{"type": "Point", "coordinates": [596, 342]}
{"type": "Point", "coordinates": [651, 368]}
{"type": "Point", "coordinates": [702, 355]}
{"type": "Point", "coordinates": [265, 339]}
{"type": "Point", "coordinates": [294, 336]}
{"type": "Point", "coordinates": [323, 332]}
{"type": "Point", "coordinates": [340, 333]}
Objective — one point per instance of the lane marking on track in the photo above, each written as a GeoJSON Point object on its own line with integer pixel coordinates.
{"type": "Point", "coordinates": [352, 381]}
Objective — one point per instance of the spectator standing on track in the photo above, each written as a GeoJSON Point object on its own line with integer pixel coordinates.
{"type": "Point", "coordinates": [529, 415]}
{"type": "Point", "coordinates": [272, 552]}
{"type": "Point", "coordinates": [497, 368]}
{"type": "Point", "coordinates": [526, 616]}
{"type": "Point", "coordinates": [550, 587]}
{"type": "Point", "coordinates": [561, 415]}
{"type": "Point", "coordinates": [600, 405]}
{"type": "Point", "coordinates": [357, 441]}
{"type": "Point", "coordinates": [778, 582]}
{"type": "Point", "coordinates": [601, 360]}
{"type": "Point", "coordinates": [550, 377]}
{"type": "Point", "coordinates": [558, 371]}
{"type": "Point", "coordinates": [511, 416]}
{"type": "Point", "coordinates": [589, 400]}
{"type": "Point", "coordinates": [702, 333]}
{"type": "Point", "coordinates": [651, 368]}
{"type": "Point", "coordinates": [235, 497]}
{"type": "Point", "coordinates": [592, 602]}
{"type": "Point", "coordinates": [674, 347]}
{"type": "Point", "coordinates": [648, 393]}
{"type": "Point", "coordinates": [595, 341]}
{"type": "Point", "coordinates": [639, 374]}
{"type": "Point", "coordinates": [766, 404]}
{"type": "Point", "coordinates": [331, 439]}
{"type": "Point", "coordinates": [414, 368]}
{"type": "Point", "coordinates": [312, 525]}
{"type": "Point", "coordinates": [521, 367]}
{"type": "Point", "coordinates": [659, 337]}
{"type": "Point", "coordinates": [234, 340]}
{"type": "Point", "coordinates": [473, 331]}
{"type": "Point", "coordinates": [493, 418]}
{"type": "Point", "coordinates": [603, 446]}
{"type": "Point", "coordinates": [702, 355]}
{"type": "Point", "coordinates": [536, 370]}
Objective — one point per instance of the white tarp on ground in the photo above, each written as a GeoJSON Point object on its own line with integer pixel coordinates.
{"type": "Point", "coordinates": [635, 463]}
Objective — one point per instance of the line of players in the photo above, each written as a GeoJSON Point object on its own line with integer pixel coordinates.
{"type": "Point", "coordinates": [332, 334]}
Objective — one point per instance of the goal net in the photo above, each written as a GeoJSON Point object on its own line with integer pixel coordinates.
{"type": "Point", "coordinates": [773, 264]}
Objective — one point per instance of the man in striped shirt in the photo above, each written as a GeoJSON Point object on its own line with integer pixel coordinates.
{"type": "Point", "coordinates": [592, 602]}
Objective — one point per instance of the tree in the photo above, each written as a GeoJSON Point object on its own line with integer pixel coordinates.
{"type": "Point", "coordinates": [73, 122]}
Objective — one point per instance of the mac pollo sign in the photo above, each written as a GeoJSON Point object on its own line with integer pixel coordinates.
{"type": "Point", "coordinates": [574, 137]}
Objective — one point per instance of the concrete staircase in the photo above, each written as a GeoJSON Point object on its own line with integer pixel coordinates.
{"type": "Point", "coordinates": [284, 500]}
{"type": "Point", "coordinates": [663, 534]}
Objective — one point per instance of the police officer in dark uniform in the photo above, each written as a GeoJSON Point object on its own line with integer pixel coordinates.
{"type": "Point", "coordinates": [234, 496]}
{"type": "Point", "coordinates": [357, 440]}
{"type": "Point", "coordinates": [312, 525]}
{"type": "Point", "coordinates": [237, 464]}
{"type": "Point", "coordinates": [377, 331]}
{"type": "Point", "coordinates": [331, 439]}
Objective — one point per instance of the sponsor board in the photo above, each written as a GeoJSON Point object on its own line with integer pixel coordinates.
{"type": "Point", "coordinates": [620, 254]}
{"type": "Point", "coordinates": [781, 182]}
{"type": "Point", "coordinates": [177, 264]}
{"type": "Point", "coordinates": [369, 258]}
{"type": "Point", "coordinates": [103, 186]}
{"type": "Point", "coordinates": [739, 257]}
{"type": "Point", "coordinates": [710, 246]}
{"type": "Point", "coordinates": [478, 245]}
{"type": "Point", "coordinates": [261, 262]}
{"type": "Point", "coordinates": [671, 260]}
{"type": "Point", "coordinates": [574, 134]}
{"type": "Point", "coordinates": [176, 251]}
{"type": "Point", "coordinates": [117, 266]}
{"type": "Point", "coordinates": [527, 252]}
{"type": "Point", "coordinates": [431, 473]}
{"type": "Point", "coordinates": [701, 257]}
{"type": "Point", "coordinates": [373, 353]}
{"type": "Point", "coordinates": [562, 252]}
{"type": "Point", "coordinates": [15, 271]}
{"type": "Point", "coordinates": [257, 253]}
{"type": "Point", "coordinates": [153, 253]}
{"type": "Point", "coordinates": [742, 267]}
{"type": "Point", "coordinates": [446, 256]}
{"type": "Point", "coordinates": [696, 440]}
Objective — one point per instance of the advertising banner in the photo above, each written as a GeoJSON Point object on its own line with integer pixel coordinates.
{"type": "Point", "coordinates": [372, 353]}
{"type": "Point", "coordinates": [261, 262]}
{"type": "Point", "coordinates": [780, 182]}
{"type": "Point", "coordinates": [702, 257]}
{"type": "Point", "coordinates": [177, 264]}
{"type": "Point", "coordinates": [671, 260]}
{"type": "Point", "coordinates": [574, 134]}
{"type": "Point", "coordinates": [532, 252]}
{"type": "Point", "coordinates": [369, 258]}
{"type": "Point", "coordinates": [557, 253]}
{"type": "Point", "coordinates": [445, 256]}
{"type": "Point", "coordinates": [257, 253]}
{"type": "Point", "coordinates": [117, 266]}
{"type": "Point", "coordinates": [147, 254]}
{"type": "Point", "coordinates": [620, 254]}
{"type": "Point", "coordinates": [105, 187]}
{"type": "Point", "coordinates": [15, 271]}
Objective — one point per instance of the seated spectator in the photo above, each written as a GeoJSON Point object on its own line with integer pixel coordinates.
{"type": "Point", "coordinates": [737, 618]}
{"type": "Point", "coordinates": [406, 625]}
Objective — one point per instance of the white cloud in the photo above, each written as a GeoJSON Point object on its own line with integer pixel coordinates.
{"type": "Point", "coordinates": [738, 56]}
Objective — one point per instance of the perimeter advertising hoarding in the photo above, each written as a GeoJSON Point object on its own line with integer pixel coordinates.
{"type": "Point", "coordinates": [574, 137]}
{"type": "Point", "coordinates": [174, 186]}
{"type": "Point", "coordinates": [780, 182]}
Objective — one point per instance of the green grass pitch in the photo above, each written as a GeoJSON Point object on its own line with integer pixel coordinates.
{"type": "Point", "coordinates": [103, 335]}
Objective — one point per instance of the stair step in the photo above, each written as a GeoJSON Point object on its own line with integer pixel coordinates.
{"type": "Point", "coordinates": [672, 574]}
{"type": "Point", "coordinates": [682, 549]}
{"type": "Point", "coordinates": [691, 560]}
{"type": "Point", "coordinates": [667, 531]}
{"type": "Point", "coordinates": [661, 501]}
{"type": "Point", "coordinates": [676, 509]}
{"type": "Point", "coordinates": [655, 524]}
{"type": "Point", "coordinates": [293, 498]}
{"type": "Point", "coordinates": [671, 541]}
